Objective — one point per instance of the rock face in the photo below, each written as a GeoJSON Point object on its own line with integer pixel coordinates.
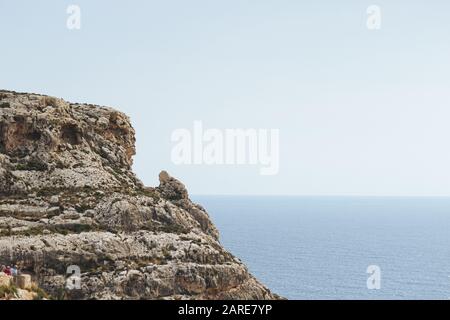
{"type": "Point", "coordinates": [68, 197]}
{"type": "Point", "coordinates": [18, 288]}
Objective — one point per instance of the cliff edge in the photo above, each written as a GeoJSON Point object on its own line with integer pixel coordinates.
{"type": "Point", "coordinates": [68, 197]}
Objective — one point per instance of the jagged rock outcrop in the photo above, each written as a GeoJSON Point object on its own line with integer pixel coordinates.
{"type": "Point", "coordinates": [68, 197]}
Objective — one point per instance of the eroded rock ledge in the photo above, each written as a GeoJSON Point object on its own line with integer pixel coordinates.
{"type": "Point", "coordinates": [68, 197]}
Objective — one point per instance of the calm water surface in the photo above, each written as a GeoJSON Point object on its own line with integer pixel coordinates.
{"type": "Point", "coordinates": [320, 247]}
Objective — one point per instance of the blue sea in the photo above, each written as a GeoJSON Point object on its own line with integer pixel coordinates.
{"type": "Point", "coordinates": [321, 247]}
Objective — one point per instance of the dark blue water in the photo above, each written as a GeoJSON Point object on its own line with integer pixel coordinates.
{"type": "Point", "coordinates": [320, 247]}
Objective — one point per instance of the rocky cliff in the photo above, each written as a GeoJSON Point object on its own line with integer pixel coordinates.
{"type": "Point", "coordinates": [68, 197]}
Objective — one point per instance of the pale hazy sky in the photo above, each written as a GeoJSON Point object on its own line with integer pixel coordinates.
{"type": "Point", "coordinates": [360, 112]}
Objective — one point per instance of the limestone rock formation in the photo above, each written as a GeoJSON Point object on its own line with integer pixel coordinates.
{"type": "Point", "coordinates": [68, 197]}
